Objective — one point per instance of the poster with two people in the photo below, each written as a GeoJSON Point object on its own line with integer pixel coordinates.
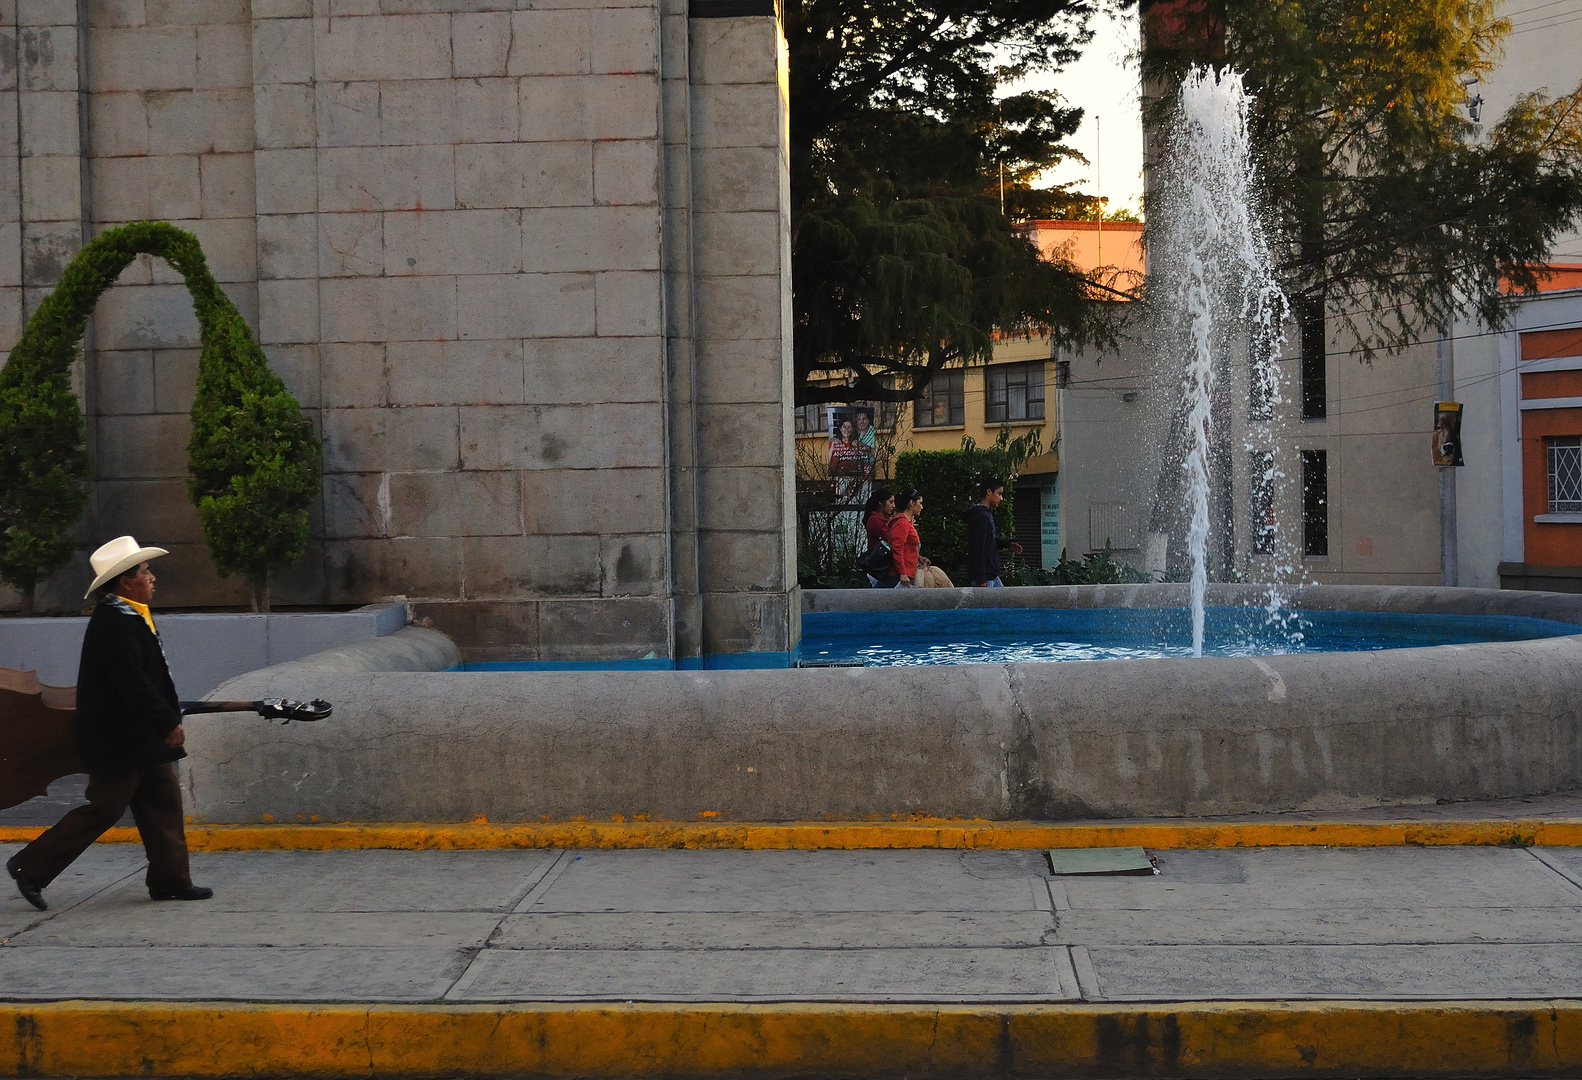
{"type": "Point", "coordinates": [853, 450]}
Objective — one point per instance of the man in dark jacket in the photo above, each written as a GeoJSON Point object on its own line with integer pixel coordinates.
{"type": "Point", "coordinates": [129, 734]}
{"type": "Point", "coordinates": [983, 540]}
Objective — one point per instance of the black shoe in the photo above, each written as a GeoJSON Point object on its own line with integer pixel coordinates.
{"type": "Point", "coordinates": [186, 892]}
{"type": "Point", "coordinates": [29, 892]}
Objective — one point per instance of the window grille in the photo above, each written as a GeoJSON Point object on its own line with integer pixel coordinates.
{"type": "Point", "coordinates": [1565, 474]}
{"type": "Point", "coordinates": [1013, 392]}
{"type": "Point", "coordinates": [944, 401]}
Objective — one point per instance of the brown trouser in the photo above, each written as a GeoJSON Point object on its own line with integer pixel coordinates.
{"type": "Point", "coordinates": [155, 798]}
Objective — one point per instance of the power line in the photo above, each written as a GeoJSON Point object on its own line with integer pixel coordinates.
{"type": "Point", "coordinates": [1535, 7]}
{"type": "Point", "coordinates": [1549, 26]}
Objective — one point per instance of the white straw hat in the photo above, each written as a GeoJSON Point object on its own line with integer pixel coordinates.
{"type": "Point", "coordinates": [116, 558]}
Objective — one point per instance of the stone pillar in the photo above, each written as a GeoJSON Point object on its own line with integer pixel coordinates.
{"type": "Point", "coordinates": [742, 266]}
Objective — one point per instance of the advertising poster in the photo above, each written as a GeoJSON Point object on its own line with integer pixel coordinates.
{"type": "Point", "coordinates": [851, 451]}
{"type": "Point", "coordinates": [1447, 434]}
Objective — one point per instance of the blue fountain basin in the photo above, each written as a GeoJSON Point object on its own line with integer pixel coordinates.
{"type": "Point", "coordinates": [1023, 635]}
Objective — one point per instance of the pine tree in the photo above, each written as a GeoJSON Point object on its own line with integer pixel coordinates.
{"type": "Point", "coordinates": [902, 260]}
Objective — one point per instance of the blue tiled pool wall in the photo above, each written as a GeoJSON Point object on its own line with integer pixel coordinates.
{"type": "Point", "coordinates": [1001, 635]}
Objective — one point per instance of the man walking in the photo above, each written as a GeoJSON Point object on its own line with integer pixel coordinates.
{"type": "Point", "coordinates": [128, 732]}
{"type": "Point", "coordinates": [983, 540]}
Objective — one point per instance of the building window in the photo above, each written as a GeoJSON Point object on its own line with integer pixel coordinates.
{"type": "Point", "coordinates": [1315, 400]}
{"type": "Point", "coordinates": [1315, 502]}
{"type": "Point", "coordinates": [1261, 486]}
{"type": "Point", "coordinates": [810, 420]}
{"type": "Point", "coordinates": [1013, 392]}
{"type": "Point", "coordinates": [944, 401]}
{"type": "Point", "coordinates": [1565, 474]}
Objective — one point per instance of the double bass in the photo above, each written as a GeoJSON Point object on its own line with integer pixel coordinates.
{"type": "Point", "coordinates": [36, 743]}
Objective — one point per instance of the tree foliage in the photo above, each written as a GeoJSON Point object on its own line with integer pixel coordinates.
{"type": "Point", "coordinates": [902, 261]}
{"type": "Point", "coordinates": [43, 452]}
{"type": "Point", "coordinates": [1383, 190]}
{"type": "Point", "coordinates": [253, 455]}
{"type": "Point", "coordinates": [948, 482]}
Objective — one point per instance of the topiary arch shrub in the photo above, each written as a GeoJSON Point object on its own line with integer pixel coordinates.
{"type": "Point", "coordinates": [253, 456]}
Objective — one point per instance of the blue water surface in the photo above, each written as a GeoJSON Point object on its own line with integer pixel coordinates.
{"type": "Point", "coordinates": [1021, 635]}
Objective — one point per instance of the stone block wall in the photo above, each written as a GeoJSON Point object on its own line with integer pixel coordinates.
{"type": "Point", "coordinates": [526, 262]}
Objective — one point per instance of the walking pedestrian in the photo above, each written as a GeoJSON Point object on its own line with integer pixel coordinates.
{"type": "Point", "coordinates": [875, 522]}
{"type": "Point", "coordinates": [983, 539]}
{"type": "Point", "coordinates": [128, 733]}
{"type": "Point", "coordinates": [905, 542]}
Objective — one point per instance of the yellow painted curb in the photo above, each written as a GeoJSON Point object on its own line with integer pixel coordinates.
{"type": "Point", "coordinates": [857, 835]}
{"type": "Point", "coordinates": [1419, 1039]}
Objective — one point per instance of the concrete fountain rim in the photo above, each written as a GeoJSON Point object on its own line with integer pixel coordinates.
{"type": "Point", "coordinates": [1402, 599]}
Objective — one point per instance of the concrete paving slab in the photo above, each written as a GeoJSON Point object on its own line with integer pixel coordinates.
{"type": "Point", "coordinates": [284, 881]}
{"type": "Point", "coordinates": [921, 975]}
{"type": "Point", "coordinates": [229, 974]}
{"type": "Point", "coordinates": [824, 881]}
{"type": "Point", "coordinates": [776, 930]}
{"type": "Point", "coordinates": [1394, 972]}
{"type": "Point", "coordinates": [138, 921]}
{"type": "Point", "coordinates": [101, 867]}
{"type": "Point", "coordinates": [1307, 926]}
{"type": "Point", "coordinates": [1300, 878]}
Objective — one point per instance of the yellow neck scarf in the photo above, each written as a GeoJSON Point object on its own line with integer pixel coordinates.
{"type": "Point", "coordinates": [141, 609]}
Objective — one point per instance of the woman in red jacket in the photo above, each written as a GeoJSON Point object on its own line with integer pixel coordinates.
{"type": "Point", "coordinates": [904, 541]}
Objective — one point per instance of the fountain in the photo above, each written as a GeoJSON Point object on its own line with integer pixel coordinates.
{"type": "Point", "coordinates": [1400, 694]}
{"type": "Point", "coordinates": [1222, 297]}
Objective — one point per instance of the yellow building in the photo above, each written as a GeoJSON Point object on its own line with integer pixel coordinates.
{"type": "Point", "coordinates": [1016, 389]}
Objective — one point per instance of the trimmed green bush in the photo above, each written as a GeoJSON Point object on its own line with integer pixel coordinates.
{"type": "Point", "coordinates": [948, 480]}
{"type": "Point", "coordinates": [253, 455]}
{"type": "Point", "coordinates": [43, 454]}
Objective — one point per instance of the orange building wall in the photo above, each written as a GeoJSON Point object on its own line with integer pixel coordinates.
{"type": "Point", "coordinates": [1547, 544]}
{"type": "Point", "coordinates": [1551, 384]}
{"type": "Point", "coordinates": [1548, 344]}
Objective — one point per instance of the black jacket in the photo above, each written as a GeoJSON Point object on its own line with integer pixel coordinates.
{"type": "Point", "coordinates": [126, 701]}
{"type": "Point", "coordinates": [983, 545]}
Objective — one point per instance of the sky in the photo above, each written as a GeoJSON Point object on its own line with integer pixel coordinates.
{"type": "Point", "coordinates": [1104, 85]}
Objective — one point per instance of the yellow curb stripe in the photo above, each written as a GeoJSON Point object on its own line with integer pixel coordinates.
{"type": "Point", "coordinates": [856, 835]}
{"type": "Point", "coordinates": [1420, 1039]}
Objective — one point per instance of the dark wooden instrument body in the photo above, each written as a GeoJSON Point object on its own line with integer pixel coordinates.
{"type": "Point", "coordinates": [36, 744]}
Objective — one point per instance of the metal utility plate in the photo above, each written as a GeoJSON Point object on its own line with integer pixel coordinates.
{"type": "Point", "coordinates": [1100, 860]}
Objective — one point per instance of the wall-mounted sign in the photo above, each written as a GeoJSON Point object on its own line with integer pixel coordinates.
{"type": "Point", "coordinates": [1447, 434]}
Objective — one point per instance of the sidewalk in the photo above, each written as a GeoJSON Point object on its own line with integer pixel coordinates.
{"type": "Point", "coordinates": [840, 926]}
{"type": "Point", "coordinates": [861, 963]}
{"type": "Point", "coordinates": [638, 963]}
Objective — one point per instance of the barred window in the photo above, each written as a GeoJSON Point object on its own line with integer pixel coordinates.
{"type": "Point", "coordinates": [944, 401]}
{"type": "Point", "coordinates": [1264, 526]}
{"type": "Point", "coordinates": [1013, 392]}
{"type": "Point", "coordinates": [1315, 502]}
{"type": "Point", "coordinates": [1565, 474]}
{"type": "Point", "coordinates": [810, 420]}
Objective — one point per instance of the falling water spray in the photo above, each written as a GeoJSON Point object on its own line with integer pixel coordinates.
{"type": "Point", "coordinates": [1220, 294]}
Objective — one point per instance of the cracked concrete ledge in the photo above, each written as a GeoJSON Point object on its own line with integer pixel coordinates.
{"type": "Point", "coordinates": [1215, 1039]}
{"type": "Point", "coordinates": [1171, 738]}
{"type": "Point", "coordinates": [1404, 599]}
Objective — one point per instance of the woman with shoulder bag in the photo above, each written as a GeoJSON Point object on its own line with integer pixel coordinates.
{"type": "Point", "coordinates": [876, 522]}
